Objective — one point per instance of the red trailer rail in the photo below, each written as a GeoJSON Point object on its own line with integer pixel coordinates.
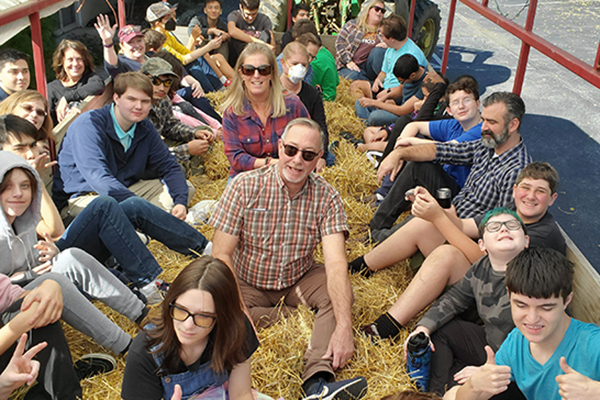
{"type": "Point", "coordinates": [529, 39]}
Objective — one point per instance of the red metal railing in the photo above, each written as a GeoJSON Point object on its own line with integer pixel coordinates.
{"type": "Point", "coordinates": [529, 39]}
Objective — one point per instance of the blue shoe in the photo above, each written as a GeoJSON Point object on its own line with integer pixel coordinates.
{"type": "Point", "coordinates": [349, 389]}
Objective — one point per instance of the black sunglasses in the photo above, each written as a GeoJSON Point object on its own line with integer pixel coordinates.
{"type": "Point", "coordinates": [28, 108]}
{"type": "Point", "coordinates": [248, 69]}
{"type": "Point", "coordinates": [378, 9]}
{"type": "Point", "coordinates": [291, 151]}
{"type": "Point", "coordinates": [200, 320]}
{"type": "Point", "coordinates": [156, 81]}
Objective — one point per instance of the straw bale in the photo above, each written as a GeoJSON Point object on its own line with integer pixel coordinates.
{"type": "Point", "coordinates": [278, 364]}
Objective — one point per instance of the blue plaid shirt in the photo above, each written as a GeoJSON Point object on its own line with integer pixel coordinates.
{"type": "Point", "coordinates": [492, 177]}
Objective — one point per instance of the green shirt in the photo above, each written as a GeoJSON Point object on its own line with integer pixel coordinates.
{"type": "Point", "coordinates": [325, 74]}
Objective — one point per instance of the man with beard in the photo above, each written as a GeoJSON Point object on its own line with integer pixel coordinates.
{"type": "Point", "coordinates": [496, 160]}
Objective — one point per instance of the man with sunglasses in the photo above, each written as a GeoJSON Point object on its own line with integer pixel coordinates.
{"type": "Point", "coordinates": [183, 140]}
{"type": "Point", "coordinates": [268, 224]}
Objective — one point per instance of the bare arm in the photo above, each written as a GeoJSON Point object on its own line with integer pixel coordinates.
{"type": "Point", "coordinates": [223, 246]}
{"type": "Point", "coordinates": [106, 33]}
{"type": "Point", "coordinates": [239, 34]}
{"type": "Point", "coordinates": [413, 129]}
{"type": "Point", "coordinates": [406, 108]}
{"type": "Point", "coordinates": [51, 221]}
{"type": "Point", "coordinates": [341, 344]}
{"type": "Point", "coordinates": [392, 163]}
{"type": "Point", "coordinates": [196, 54]}
{"type": "Point", "coordinates": [240, 383]}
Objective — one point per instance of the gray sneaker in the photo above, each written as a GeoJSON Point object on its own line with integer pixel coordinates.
{"type": "Point", "coordinates": [349, 389]}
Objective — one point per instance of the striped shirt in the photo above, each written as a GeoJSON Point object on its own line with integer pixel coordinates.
{"type": "Point", "coordinates": [492, 176]}
{"type": "Point", "coordinates": [277, 235]}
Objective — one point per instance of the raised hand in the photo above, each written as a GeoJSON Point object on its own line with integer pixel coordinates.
{"type": "Point", "coordinates": [575, 386]}
{"type": "Point", "coordinates": [105, 31]}
{"type": "Point", "coordinates": [491, 378]}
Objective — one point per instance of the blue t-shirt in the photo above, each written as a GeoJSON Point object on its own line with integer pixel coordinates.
{"type": "Point", "coordinates": [392, 55]}
{"type": "Point", "coordinates": [580, 346]}
{"type": "Point", "coordinates": [446, 130]}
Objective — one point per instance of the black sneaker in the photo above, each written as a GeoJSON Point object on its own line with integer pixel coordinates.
{"type": "Point", "coordinates": [349, 389]}
{"type": "Point", "coordinates": [351, 138]}
{"type": "Point", "coordinates": [94, 364]}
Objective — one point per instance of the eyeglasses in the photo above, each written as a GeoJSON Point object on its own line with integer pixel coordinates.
{"type": "Point", "coordinates": [200, 320]}
{"type": "Point", "coordinates": [495, 226]}
{"type": "Point", "coordinates": [378, 9]}
{"type": "Point", "coordinates": [291, 151]}
{"type": "Point", "coordinates": [28, 108]}
{"type": "Point", "coordinates": [465, 102]}
{"type": "Point", "coordinates": [156, 81]}
{"type": "Point", "coordinates": [263, 70]}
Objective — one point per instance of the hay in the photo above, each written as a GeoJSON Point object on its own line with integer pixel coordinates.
{"type": "Point", "coordinates": [278, 363]}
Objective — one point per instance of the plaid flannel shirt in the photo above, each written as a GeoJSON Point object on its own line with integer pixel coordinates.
{"type": "Point", "coordinates": [347, 42]}
{"type": "Point", "coordinates": [245, 138]}
{"type": "Point", "coordinates": [492, 177]}
{"type": "Point", "coordinates": [277, 235]}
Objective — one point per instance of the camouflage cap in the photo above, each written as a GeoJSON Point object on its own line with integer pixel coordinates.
{"type": "Point", "coordinates": [156, 66]}
{"type": "Point", "coordinates": [158, 10]}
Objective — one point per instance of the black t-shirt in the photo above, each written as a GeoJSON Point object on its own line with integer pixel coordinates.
{"type": "Point", "coordinates": [141, 380]}
{"type": "Point", "coordinates": [313, 101]}
{"type": "Point", "coordinates": [544, 233]}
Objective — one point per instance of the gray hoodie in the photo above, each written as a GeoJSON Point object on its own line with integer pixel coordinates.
{"type": "Point", "coordinates": [17, 241]}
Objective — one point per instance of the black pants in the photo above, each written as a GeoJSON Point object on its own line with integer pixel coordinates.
{"type": "Point", "coordinates": [56, 377]}
{"type": "Point", "coordinates": [429, 175]}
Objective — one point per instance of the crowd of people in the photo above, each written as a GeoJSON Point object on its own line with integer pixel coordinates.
{"type": "Point", "coordinates": [485, 249]}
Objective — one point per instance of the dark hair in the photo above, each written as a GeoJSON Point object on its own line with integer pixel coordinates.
{"type": "Point", "coordinates": [304, 26]}
{"type": "Point", "coordinates": [466, 83]}
{"type": "Point", "coordinates": [229, 330]}
{"type": "Point", "coordinates": [300, 6]}
{"type": "Point", "coordinates": [412, 395]}
{"type": "Point", "coordinates": [250, 4]}
{"type": "Point", "coordinates": [394, 27]}
{"type": "Point", "coordinates": [30, 175]}
{"type": "Point", "coordinates": [58, 58]}
{"type": "Point", "coordinates": [17, 127]}
{"type": "Point", "coordinates": [540, 273]}
{"type": "Point", "coordinates": [499, 211]}
{"type": "Point", "coordinates": [212, 1]}
{"type": "Point", "coordinates": [515, 107]}
{"type": "Point", "coordinates": [153, 39]}
{"type": "Point", "coordinates": [309, 37]}
{"type": "Point", "coordinates": [132, 79]}
{"type": "Point", "coordinates": [175, 64]}
{"type": "Point", "coordinates": [540, 170]}
{"type": "Point", "coordinates": [12, 55]}
{"type": "Point", "coordinates": [406, 65]}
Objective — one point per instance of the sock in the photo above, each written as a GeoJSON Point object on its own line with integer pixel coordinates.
{"type": "Point", "coordinates": [223, 79]}
{"type": "Point", "coordinates": [359, 266]}
{"type": "Point", "coordinates": [126, 349]}
{"type": "Point", "coordinates": [387, 326]}
{"type": "Point", "coordinates": [322, 375]}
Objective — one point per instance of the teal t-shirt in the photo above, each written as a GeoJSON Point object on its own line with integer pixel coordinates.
{"type": "Point", "coordinates": [390, 58]}
{"type": "Point", "coordinates": [580, 346]}
{"type": "Point", "coordinates": [325, 74]}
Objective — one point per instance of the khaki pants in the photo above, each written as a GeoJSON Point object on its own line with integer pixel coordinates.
{"type": "Point", "coordinates": [152, 190]}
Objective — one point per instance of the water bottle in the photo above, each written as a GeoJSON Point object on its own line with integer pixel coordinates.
{"type": "Point", "coordinates": [419, 357]}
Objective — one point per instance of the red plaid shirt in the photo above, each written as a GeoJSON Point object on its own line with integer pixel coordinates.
{"type": "Point", "coordinates": [245, 138]}
{"type": "Point", "coordinates": [277, 236]}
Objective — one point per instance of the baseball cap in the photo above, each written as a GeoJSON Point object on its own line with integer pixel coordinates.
{"type": "Point", "coordinates": [158, 10]}
{"type": "Point", "coordinates": [129, 32]}
{"type": "Point", "coordinates": [156, 66]}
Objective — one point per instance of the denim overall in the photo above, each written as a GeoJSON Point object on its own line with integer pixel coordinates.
{"type": "Point", "coordinates": [192, 383]}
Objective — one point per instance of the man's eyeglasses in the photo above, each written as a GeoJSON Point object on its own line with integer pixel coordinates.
{"type": "Point", "coordinates": [28, 108]}
{"type": "Point", "coordinates": [200, 320]}
{"type": "Point", "coordinates": [156, 81]}
{"type": "Point", "coordinates": [291, 151]}
{"type": "Point", "coordinates": [378, 9]}
{"type": "Point", "coordinates": [263, 70]}
{"type": "Point", "coordinates": [495, 226]}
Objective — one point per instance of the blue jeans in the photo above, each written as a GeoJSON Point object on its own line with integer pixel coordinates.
{"type": "Point", "coordinates": [174, 233]}
{"type": "Point", "coordinates": [102, 229]}
{"type": "Point", "coordinates": [374, 116]}
{"type": "Point", "coordinates": [368, 70]}
{"type": "Point", "coordinates": [208, 81]}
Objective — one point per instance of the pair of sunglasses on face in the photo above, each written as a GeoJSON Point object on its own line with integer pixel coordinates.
{"type": "Point", "coordinates": [156, 81]}
{"type": "Point", "coordinates": [263, 70]}
{"type": "Point", "coordinates": [291, 151]}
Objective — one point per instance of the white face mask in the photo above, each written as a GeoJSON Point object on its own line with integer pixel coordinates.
{"type": "Point", "coordinates": [296, 73]}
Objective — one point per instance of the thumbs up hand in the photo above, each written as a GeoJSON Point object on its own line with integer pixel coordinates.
{"type": "Point", "coordinates": [573, 385]}
{"type": "Point", "coordinates": [491, 378]}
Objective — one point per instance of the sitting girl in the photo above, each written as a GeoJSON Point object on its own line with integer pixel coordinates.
{"type": "Point", "coordinates": [200, 340]}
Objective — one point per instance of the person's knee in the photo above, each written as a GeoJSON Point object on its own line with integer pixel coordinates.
{"type": "Point", "coordinates": [134, 206]}
{"type": "Point", "coordinates": [104, 204]}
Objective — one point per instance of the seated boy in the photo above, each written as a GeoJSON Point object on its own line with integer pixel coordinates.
{"type": "Point", "coordinates": [299, 11]}
{"type": "Point", "coordinates": [247, 25]}
{"type": "Point", "coordinates": [379, 112]}
{"type": "Point", "coordinates": [211, 26]}
{"type": "Point", "coordinates": [549, 355]}
{"type": "Point", "coordinates": [323, 65]}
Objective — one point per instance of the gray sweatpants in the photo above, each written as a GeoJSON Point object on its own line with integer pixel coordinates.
{"type": "Point", "coordinates": [74, 268]}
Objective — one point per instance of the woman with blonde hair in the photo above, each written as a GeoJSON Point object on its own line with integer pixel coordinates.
{"type": "Point", "coordinates": [359, 46]}
{"type": "Point", "coordinates": [33, 107]}
{"type": "Point", "coordinates": [256, 111]}
{"type": "Point", "coordinates": [75, 78]}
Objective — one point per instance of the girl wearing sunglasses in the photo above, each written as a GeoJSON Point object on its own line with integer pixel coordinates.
{"type": "Point", "coordinates": [199, 339]}
{"type": "Point", "coordinates": [75, 79]}
{"type": "Point", "coordinates": [256, 111]}
{"type": "Point", "coordinates": [359, 46]}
